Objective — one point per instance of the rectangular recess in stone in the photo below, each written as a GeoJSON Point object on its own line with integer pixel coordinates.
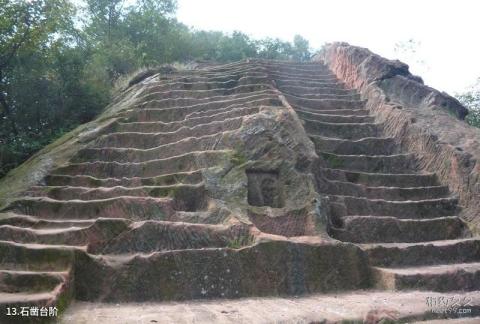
{"type": "Point", "coordinates": [264, 188]}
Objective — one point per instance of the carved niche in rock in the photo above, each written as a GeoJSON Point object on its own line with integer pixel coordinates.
{"type": "Point", "coordinates": [264, 188]}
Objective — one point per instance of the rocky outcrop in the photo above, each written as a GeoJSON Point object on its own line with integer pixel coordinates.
{"type": "Point", "coordinates": [256, 178]}
{"type": "Point", "coordinates": [421, 119]}
{"type": "Point", "coordinates": [192, 184]}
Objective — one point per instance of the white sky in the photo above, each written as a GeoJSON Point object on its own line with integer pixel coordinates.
{"type": "Point", "coordinates": [448, 31]}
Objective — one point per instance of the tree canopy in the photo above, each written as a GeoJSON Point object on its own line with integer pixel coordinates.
{"type": "Point", "coordinates": [471, 99]}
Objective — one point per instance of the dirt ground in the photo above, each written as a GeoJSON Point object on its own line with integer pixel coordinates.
{"type": "Point", "coordinates": [366, 307]}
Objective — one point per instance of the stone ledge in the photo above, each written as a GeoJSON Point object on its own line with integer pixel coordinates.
{"type": "Point", "coordinates": [392, 76]}
{"type": "Point", "coordinates": [421, 119]}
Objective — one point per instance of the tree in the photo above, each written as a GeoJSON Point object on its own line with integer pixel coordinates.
{"type": "Point", "coordinates": [153, 32]}
{"type": "Point", "coordinates": [104, 17]}
{"type": "Point", "coordinates": [270, 48]}
{"type": "Point", "coordinates": [24, 25]}
{"type": "Point", "coordinates": [235, 47]}
{"type": "Point", "coordinates": [301, 49]}
{"type": "Point", "coordinates": [471, 99]}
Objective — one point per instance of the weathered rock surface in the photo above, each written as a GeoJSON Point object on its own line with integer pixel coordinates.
{"type": "Point", "coordinates": [256, 178]}
{"type": "Point", "coordinates": [419, 118]}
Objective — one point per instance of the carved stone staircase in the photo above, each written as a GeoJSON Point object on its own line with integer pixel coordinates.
{"type": "Point", "coordinates": [403, 218]}
{"type": "Point", "coordinates": [130, 218]}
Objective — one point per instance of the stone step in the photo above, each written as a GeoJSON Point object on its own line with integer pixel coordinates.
{"type": "Point", "coordinates": [341, 130]}
{"type": "Point", "coordinates": [180, 114]}
{"type": "Point", "coordinates": [451, 277]}
{"type": "Point", "coordinates": [17, 281]}
{"type": "Point", "coordinates": [257, 104]}
{"type": "Point", "coordinates": [238, 71]}
{"type": "Point", "coordinates": [206, 216]}
{"type": "Point", "coordinates": [133, 208]}
{"type": "Point", "coordinates": [73, 236]}
{"type": "Point", "coordinates": [299, 90]}
{"type": "Point", "coordinates": [156, 236]}
{"type": "Point", "coordinates": [424, 253]}
{"type": "Point", "coordinates": [209, 79]}
{"type": "Point", "coordinates": [398, 163]}
{"type": "Point", "coordinates": [315, 96]}
{"type": "Point", "coordinates": [343, 112]}
{"type": "Point", "coordinates": [340, 307]}
{"type": "Point", "coordinates": [202, 76]}
{"type": "Point", "coordinates": [159, 127]}
{"type": "Point", "coordinates": [282, 72]}
{"type": "Point", "coordinates": [325, 103]}
{"type": "Point", "coordinates": [196, 191]}
{"type": "Point", "coordinates": [187, 102]}
{"type": "Point", "coordinates": [302, 76]}
{"type": "Point", "coordinates": [100, 231]}
{"type": "Point", "coordinates": [314, 69]}
{"type": "Point", "coordinates": [334, 187]}
{"type": "Point", "coordinates": [190, 177]}
{"type": "Point", "coordinates": [307, 66]}
{"type": "Point", "coordinates": [233, 65]}
{"type": "Point", "coordinates": [226, 81]}
{"type": "Point", "coordinates": [164, 94]}
{"type": "Point", "coordinates": [189, 84]}
{"type": "Point", "coordinates": [364, 146]}
{"type": "Point", "coordinates": [23, 290]}
{"type": "Point", "coordinates": [143, 140]}
{"type": "Point", "coordinates": [221, 272]}
{"type": "Point", "coordinates": [225, 67]}
{"type": "Point", "coordinates": [280, 83]}
{"type": "Point", "coordinates": [412, 180]}
{"type": "Point", "coordinates": [334, 118]}
{"type": "Point", "coordinates": [27, 221]}
{"type": "Point", "coordinates": [418, 209]}
{"type": "Point", "coordinates": [181, 163]}
{"type": "Point", "coordinates": [125, 207]}
{"type": "Point", "coordinates": [181, 141]}
{"type": "Point", "coordinates": [376, 229]}
{"type": "Point", "coordinates": [186, 145]}
{"type": "Point", "coordinates": [197, 77]}
{"type": "Point", "coordinates": [35, 257]}
{"type": "Point", "coordinates": [209, 108]}
{"type": "Point", "coordinates": [199, 82]}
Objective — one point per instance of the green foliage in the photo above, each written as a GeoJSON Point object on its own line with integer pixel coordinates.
{"type": "Point", "coordinates": [235, 243]}
{"type": "Point", "coordinates": [240, 241]}
{"type": "Point", "coordinates": [301, 49]}
{"type": "Point", "coordinates": [238, 158]}
{"type": "Point", "coordinates": [60, 61]}
{"type": "Point", "coordinates": [333, 161]}
{"type": "Point", "coordinates": [471, 100]}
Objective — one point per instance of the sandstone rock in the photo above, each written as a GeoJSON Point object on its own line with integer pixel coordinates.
{"type": "Point", "coordinates": [426, 124]}
{"type": "Point", "coordinates": [255, 178]}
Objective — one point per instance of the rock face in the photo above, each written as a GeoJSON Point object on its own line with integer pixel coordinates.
{"type": "Point", "coordinates": [256, 178]}
{"type": "Point", "coordinates": [418, 117]}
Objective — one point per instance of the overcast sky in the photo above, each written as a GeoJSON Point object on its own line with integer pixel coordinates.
{"type": "Point", "coordinates": [447, 32]}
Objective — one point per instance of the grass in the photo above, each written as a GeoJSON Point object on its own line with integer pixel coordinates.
{"type": "Point", "coordinates": [239, 242]}
{"type": "Point", "coordinates": [333, 161]}
{"type": "Point", "coordinates": [238, 158]}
